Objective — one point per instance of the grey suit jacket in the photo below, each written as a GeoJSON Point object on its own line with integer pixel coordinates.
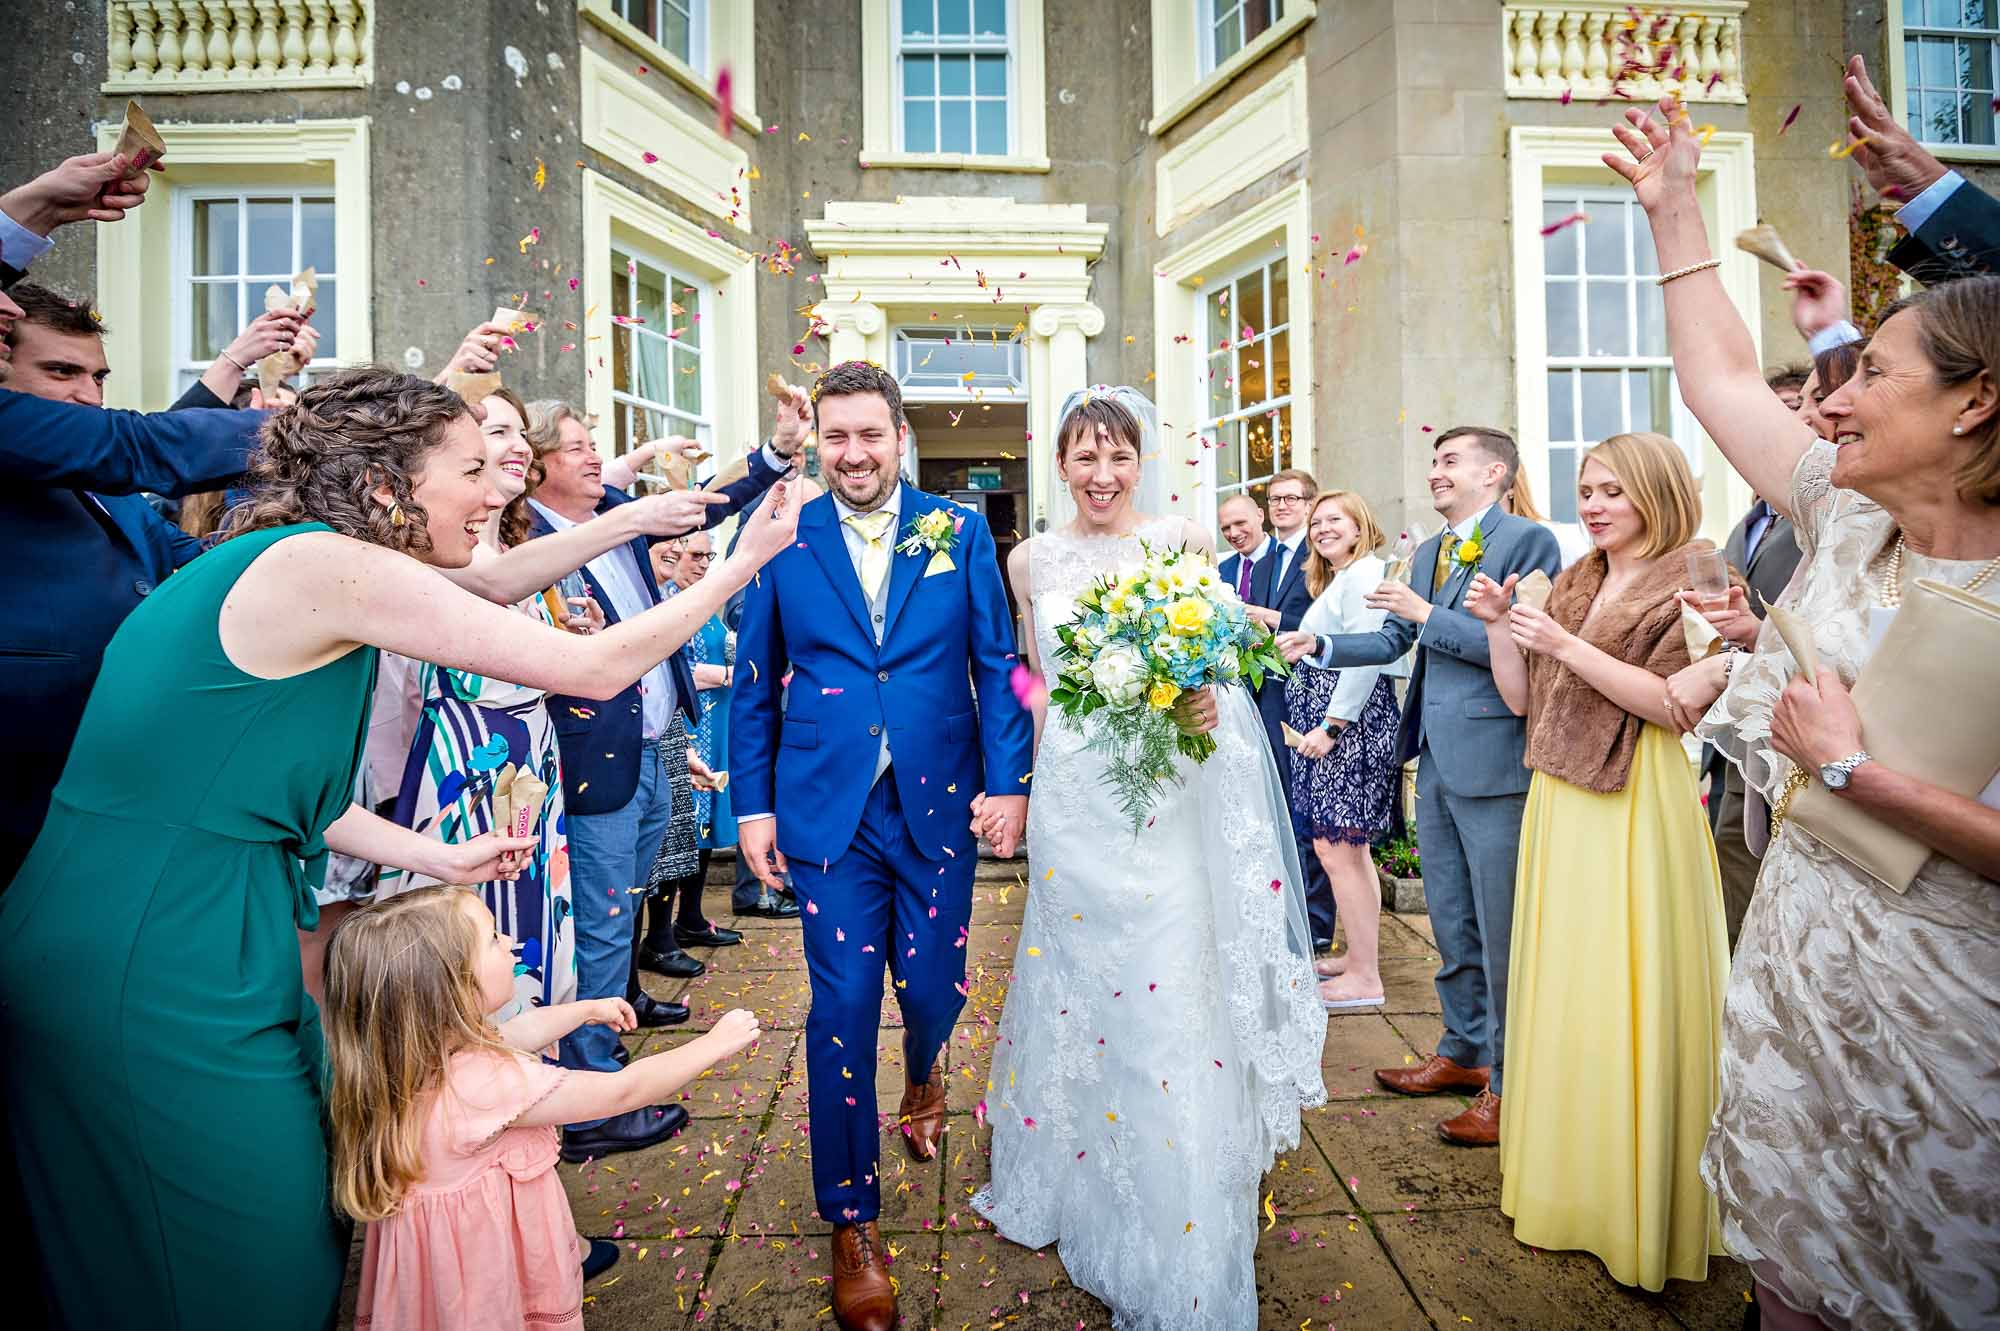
{"type": "Point", "coordinates": [1453, 707]}
{"type": "Point", "coordinates": [1771, 567]}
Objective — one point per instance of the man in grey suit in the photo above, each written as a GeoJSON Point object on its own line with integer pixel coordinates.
{"type": "Point", "coordinates": [1471, 781]}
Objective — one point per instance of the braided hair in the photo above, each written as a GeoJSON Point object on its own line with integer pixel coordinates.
{"type": "Point", "coordinates": [348, 435]}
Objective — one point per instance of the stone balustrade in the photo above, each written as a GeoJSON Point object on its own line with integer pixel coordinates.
{"type": "Point", "coordinates": [1595, 50]}
{"type": "Point", "coordinates": [226, 45]}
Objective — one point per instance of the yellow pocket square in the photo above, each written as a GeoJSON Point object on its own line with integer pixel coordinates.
{"type": "Point", "coordinates": [940, 563]}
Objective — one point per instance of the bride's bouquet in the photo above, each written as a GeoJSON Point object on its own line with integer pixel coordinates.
{"type": "Point", "coordinates": [1141, 639]}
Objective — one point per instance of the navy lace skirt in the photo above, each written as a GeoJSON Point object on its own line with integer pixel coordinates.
{"type": "Point", "coordinates": [1345, 796]}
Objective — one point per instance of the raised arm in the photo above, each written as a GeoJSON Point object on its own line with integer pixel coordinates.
{"type": "Point", "coordinates": [1006, 732]}
{"type": "Point", "coordinates": [64, 444]}
{"type": "Point", "coordinates": [1715, 360]}
{"type": "Point", "coordinates": [534, 565]}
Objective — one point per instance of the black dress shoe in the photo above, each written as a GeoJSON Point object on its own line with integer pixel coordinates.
{"type": "Point", "coordinates": [669, 961]}
{"type": "Point", "coordinates": [656, 1012]}
{"type": "Point", "coordinates": [712, 936]}
{"type": "Point", "coordinates": [603, 1255]}
{"type": "Point", "coordinates": [774, 908]}
{"type": "Point", "coordinates": [633, 1130]}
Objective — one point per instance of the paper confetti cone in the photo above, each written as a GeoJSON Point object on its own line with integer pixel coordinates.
{"type": "Point", "coordinates": [1763, 241]}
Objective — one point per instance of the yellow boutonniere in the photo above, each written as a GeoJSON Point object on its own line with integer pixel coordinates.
{"type": "Point", "coordinates": [1468, 552]}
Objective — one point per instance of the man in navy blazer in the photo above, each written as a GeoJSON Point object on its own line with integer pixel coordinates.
{"type": "Point", "coordinates": [615, 792]}
{"type": "Point", "coordinates": [1472, 783]}
{"type": "Point", "coordinates": [83, 548]}
{"type": "Point", "coordinates": [1278, 588]}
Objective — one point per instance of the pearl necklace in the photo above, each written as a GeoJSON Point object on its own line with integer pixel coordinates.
{"type": "Point", "coordinates": [1890, 591]}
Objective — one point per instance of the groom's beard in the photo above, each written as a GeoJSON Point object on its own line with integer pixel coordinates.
{"type": "Point", "coordinates": [867, 501]}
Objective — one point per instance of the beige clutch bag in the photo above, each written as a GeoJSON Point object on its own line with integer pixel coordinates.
{"type": "Point", "coordinates": [1921, 714]}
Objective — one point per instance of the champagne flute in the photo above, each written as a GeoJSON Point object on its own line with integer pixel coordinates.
{"type": "Point", "coordinates": [1709, 571]}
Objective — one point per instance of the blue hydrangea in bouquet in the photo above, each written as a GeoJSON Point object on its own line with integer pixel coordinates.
{"type": "Point", "coordinates": [1142, 638]}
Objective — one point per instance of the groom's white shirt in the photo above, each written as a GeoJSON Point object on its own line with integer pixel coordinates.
{"type": "Point", "coordinates": [856, 543]}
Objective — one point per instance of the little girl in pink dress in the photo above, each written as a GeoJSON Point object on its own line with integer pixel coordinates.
{"type": "Point", "coordinates": [446, 1128]}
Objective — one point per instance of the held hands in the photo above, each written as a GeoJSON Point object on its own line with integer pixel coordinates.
{"type": "Point", "coordinates": [1001, 819]}
{"type": "Point", "coordinates": [1195, 711]}
{"type": "Point", "coordinates": [484, 859]}
{"type": "Point", "coordinates": [1735, 622]}
{"type": "Point", "coordinates": [1896, 166]}
{"type": "Point", "coordinates": [1315, 744]}
{"type": "Point", "coordinates": [1296, 646]}
{"type": "Point", "coordinates": [1693, 689]}
{"type": "Point", "coordinates": [1400, 599]}
{"type": "Point", "coordinates": [1487, 600]}
{"type": "Point", "coordinates": [96, 187]}
{"type": "Point", "coordinates": [1818, 300]}
{"type": "Point", "coordinates": [735, 1031]}
{"type": "Point", "coordinates": [794, 422]}
{"type": "Point", "coordinates": [1815, 724]}
{"type": "Point", "coordinates": [613, 1012]}
{"type": "Point", "coordinates": [1664, 155]}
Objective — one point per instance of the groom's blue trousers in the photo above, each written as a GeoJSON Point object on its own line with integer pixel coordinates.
{"type": "Point", "coordinates": [881, 902]}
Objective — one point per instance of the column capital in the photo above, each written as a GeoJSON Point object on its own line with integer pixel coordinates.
{"type": "Point", "coordinates": [1048, 320]}
{"type": "Point", "coordinates": [850, 316]}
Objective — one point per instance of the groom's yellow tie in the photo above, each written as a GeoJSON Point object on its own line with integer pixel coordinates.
{"type": "Point", "coordinates": [874, 529]}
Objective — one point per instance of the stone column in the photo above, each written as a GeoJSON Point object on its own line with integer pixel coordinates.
{"type": "Point", "coordinates": [1057, 367]}
{"type": "Point", "coordinates": [854, 330]}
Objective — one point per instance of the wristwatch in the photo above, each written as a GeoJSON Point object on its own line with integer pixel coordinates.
{"type": "Point", "coordinates": [1835, 775]}
{"type": "Point", "coordinates": [1332, 730]}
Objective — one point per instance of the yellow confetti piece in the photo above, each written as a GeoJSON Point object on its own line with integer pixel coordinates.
{"type": "Point", "coordinates": [1034, 952]}
{"type": "Point", "coordinates": [541, 175]}
{"type": "Point", "coordinates": [1839, 153]}
{"type": "Point", "coordinates": [1270, 1213]}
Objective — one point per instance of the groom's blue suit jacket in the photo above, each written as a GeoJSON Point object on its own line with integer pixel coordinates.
{"type": "Point", "coordinates": [945, 634]}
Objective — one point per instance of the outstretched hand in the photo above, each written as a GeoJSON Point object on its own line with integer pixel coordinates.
{"type": "Point", "coordinates": [1665, 154]}
{"type": "Point", "coordinates": [1818, 300]}
{"type": "Point", "coordinates": [1487, 600]}
{"type": "Point", "coordinates": [95, 187]}
{"type": "Point", "coordinates": [1897, 166]}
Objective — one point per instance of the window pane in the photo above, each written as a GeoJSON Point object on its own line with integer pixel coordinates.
{"type": "Point", "coordinates": [1562, 404]}
{"type": "Point", "coordinates": [920, 127]}
{"type": "Point", "coordinates": [215, 236]}
{"type": "Point", "coordinates": [1250, 378]}
{"type": "Point", "coordinates": [1260, 446]}
{"type": "Point", "coordinates": [1228, 455]}
{"type": "Point", "coordinates": [919, 75]}
{"type": "Point", "coordinates": [1943, 14]}
{"type": "Point", "coordinates": [1283, 425]}
{"type": "Point", "coordinates": [989, 17]}
{"type": "Point", "coordinates": [1656, 388]}
{"type": "Point", "coordinates": [1221, 391]}
{"type": "Point", "coordinates": [677, 35]}
{"type": "Point", "coordinates": [270, 237]}
{"type": "Point", "coordinates": [1644, 261]}
{"type": "Point", "coordinates": [1257, 17]}
{"type": "Point", "coordinates": [316, 247]}
{"type": "Point", "coordinates": [954, 18]}
{"type": "Point", "coordinates": [1937, 63]}
{"type": "Point", "coordinates": [1940, 118]}
{"type": "Point", "coordinates": [1610, 334]}
{"type": "Point", "coordinates": [1604, 241]}
{"type": "Point", "coordinates": [1280, 364]}
{"type": "Point", "coordinates": [955, 75]}
{"type": "Point", "coordinates": [1281, 305]}
{"type": "Point", "coordinates": [621, 283]}
{"type": "Point", "coordinates": [1603, 411]}
{"type": "Point", "coordinates": [1559, 304]}
{"type": "Point", "coordinates": [1976, 112]}
{"type": "Point", "coordinates": [1562, 484]}
{"type": "Point", "coordinates": [1249, 306]}
{"type": "Point", "coordinates": [687, 321]}
{"type": "Point", "coordinates": [215, 324]}
{"type": "Point", "coordinates": [1975, 14]}
{"type": "Point", "coordinates": [992, 118]}
{"type": "Point", "coordinates": [1226, 41]}
{"type": "Point", "coordinates": [650, 369]}
{"type": "Point", "coordinates": [687, 386]}
{"type": "Point", "coordinates": [990, 75]}
{"type": "Point", "coordinates": [917, 18]}
{"type": "Point", "coordinates": [1559, 247]}
{"type": "Point", "coordinates": [650, 293]}
{"type": "Point", "coordinates": [325, 308]}
{"type": "Point", "coordinates": [1652, 320]}
{"type": "Point", "coordinates": [954, 127]}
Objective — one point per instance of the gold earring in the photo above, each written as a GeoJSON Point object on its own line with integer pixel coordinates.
{"type": "Point", "coordinates": [396, 518]}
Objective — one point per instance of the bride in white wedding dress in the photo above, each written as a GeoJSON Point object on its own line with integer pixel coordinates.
{"type": "Point", "coordinates": [1163, 1029]}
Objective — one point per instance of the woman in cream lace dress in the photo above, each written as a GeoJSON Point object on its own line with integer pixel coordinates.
{"type": "Point", "coordinates": [1857, 1141]}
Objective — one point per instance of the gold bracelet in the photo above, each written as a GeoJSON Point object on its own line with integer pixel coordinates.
{"type": "Point", "coordinates": [1795, 781]}
{"type": "Point", "coordinates": [1665, 278]}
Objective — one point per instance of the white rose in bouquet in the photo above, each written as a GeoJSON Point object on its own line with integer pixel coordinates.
{"type": "Point", "coordinates": [1120, 675]}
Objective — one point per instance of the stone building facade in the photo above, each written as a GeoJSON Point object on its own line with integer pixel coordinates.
{"type": "Point", "coordinates": [1312, 229]}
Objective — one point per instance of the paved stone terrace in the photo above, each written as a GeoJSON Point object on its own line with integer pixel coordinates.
{"type": "Point", "coordinates": [1379, 1224]}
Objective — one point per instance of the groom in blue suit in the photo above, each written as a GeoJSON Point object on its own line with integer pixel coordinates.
{"type": "Point", "coordinates": [865, 781]}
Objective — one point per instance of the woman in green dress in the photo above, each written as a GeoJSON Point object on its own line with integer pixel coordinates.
{"type": "Point", "coordinates": [163, 1088]}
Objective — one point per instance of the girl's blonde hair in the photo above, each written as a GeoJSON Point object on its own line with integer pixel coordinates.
{"type": "Point", "coordinates": [1656, 478]}
{"type": "Point", "coordinates": [402, 996]}
{"type": "Point", "coordinates": [1318, 571]}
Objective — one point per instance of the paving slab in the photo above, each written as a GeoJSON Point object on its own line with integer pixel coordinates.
{"type": "Point", "coordinates": [744, 1086]}
{"type": "Point", "coordinates": [1357, 1044]}
{"type": "Point", "coordinates": [764, 950]}
{"type": "Point", "coordinates": [1402, 938]}
{"type": "Point", "coordinates": [1409, 984]}
{"type": "Point", "coordinates": [1392, 1151]}
{"type": "Point", "coordinates": [681, 1186]}
{"type": "Point", "coordinates": [1327, 1272]}
{"type": "Point", "coordinates": [779, 998]}
{"type": "Point", "coordinates": [1467, 1269]}
{"type": "Point", "coordinates": [781, 1195]}
{"type": "Point", "coordinates": [1418, 923]}
{"type": "Point", "coordinates": [987, 1281]}
{"type": "Point", "coordinates": [770, 1284]}
{"type": "Point", "coordinates": [654, 1292]}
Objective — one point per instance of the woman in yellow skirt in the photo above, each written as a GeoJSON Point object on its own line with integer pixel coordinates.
{"type": "Point", "coordinates": [1614, 1017]}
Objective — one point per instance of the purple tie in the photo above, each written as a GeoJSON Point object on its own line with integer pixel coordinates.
{"type": "Point", "coordinates": [1243, 578]}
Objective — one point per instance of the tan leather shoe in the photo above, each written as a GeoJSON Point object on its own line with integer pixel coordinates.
{"type": "Point", "coordinates": [922, 1115]}
{"type": "Point", "coordinates": [1479, 1125]}
{"type": "Point", "coordinates": [863, 1297]}
{"type": "Point", "coordinates": [1434, 1076]}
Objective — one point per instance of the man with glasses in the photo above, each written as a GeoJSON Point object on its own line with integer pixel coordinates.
{"type": "Point", "coordinates": [1279, 599]}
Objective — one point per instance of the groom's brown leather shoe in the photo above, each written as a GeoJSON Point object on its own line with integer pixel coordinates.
{"type": "Point", "coordinates": [1434, 1076]}
{"type": "Point", "coordinates": [922, 1115]}
{"type": "Point", "coordinates": [1479, 1125]}
{"type": "Point", "coordinates": [863, 1297]}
